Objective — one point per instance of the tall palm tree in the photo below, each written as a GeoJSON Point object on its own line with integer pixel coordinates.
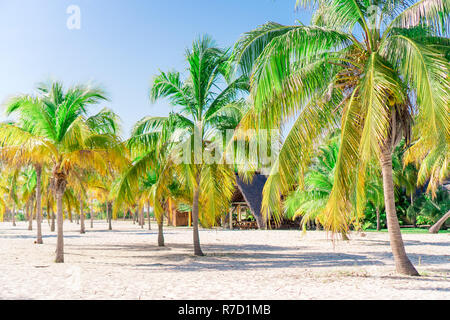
{"type": "Point", "coordinates": [208, 102]}
{"type": "Point", "coordinates": [58, 132]}
{"type": "Point", "coordinates": [208, 99]}
{"type": "Point", "coordinates": [328, 74]}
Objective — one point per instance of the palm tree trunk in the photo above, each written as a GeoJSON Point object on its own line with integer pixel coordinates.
{"type": "Point", "coordinates": [148, 216]}
{"type": "Point", "coordinates": [92, 215]}
{"type": "Point", "coordinates": [108, 215]}
{"type": "Point", "coordinates": [38, 169]}
{"type": "Point", "coordinates": [82, 226]}
{"type": "Point", "coordinates": [435, 228]}
{"type": "Point", "coordinates": [14, 215]}
{"type": "Point", "coordinates": [52, 226]}
{"type": "Point", "coordinates": [197, 248]}
{"type": "Point", "coordinates": [378, 219]}
{"type": "Point", "coordinates": [402, 263]}
{"type": "Point", "coordinates": [344, 235]}
{"type": "Point", "coordinates": [414, 218]}
{"type": "Point", "coordinates": [137, 216]}
{"type": "Point", "coordinates": [160, 232]}
{"type": "Point", "coordinates": [60, 225]}
{"type": "Point", "coordinates": [30, 214]}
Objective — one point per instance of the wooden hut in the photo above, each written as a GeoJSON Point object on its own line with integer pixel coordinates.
{"type": "Point", "coordinates": [180, 216]}
{"type": "Point", "coordinates": [248, 196]}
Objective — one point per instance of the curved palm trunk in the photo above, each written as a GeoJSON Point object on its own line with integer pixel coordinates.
{"type": "Point", "coordinates": [38, 204]}
{"type": "Point", "coordinates": [160, 232]}
{"type": "Point", "coordinates": [197, 248]}
{"type": "Point", "coordinates": [402, 263]}
{"type": "Point", "coordinates": [435, 228]}
{"type": "Point", "coordinates": [60, 224]}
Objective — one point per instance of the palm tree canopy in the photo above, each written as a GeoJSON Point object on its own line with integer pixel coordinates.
{"type": "Point", "coordinates": [54, 128]}
{"type": "Point", "coordinates": [388, 83]}
{"type": "Point", "coordinates": [208, 101]}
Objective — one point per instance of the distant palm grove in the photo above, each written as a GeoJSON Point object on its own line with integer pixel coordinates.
{"type": "Point", "coordinates": [360, 96]}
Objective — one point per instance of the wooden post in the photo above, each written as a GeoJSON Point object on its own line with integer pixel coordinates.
{"type": "Point", "coordinates": [231, 218]}
{"type": "Point", "coordinates": [239, 213]}
{"type": "Point", "coordinates": [190, 218]}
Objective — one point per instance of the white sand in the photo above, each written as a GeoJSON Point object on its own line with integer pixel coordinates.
{"type": "Point", "coordinates": [127, 264]}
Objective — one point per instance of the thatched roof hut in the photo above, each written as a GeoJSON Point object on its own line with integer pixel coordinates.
{"type": "Point", "coordinates": [251, 195]}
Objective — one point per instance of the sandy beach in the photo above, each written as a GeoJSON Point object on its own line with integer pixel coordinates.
{"type": "Point", "coordinates": [126, 263]}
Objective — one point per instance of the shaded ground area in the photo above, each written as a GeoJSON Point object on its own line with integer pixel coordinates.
{"type": "Point", "coordinates": [126, 263]}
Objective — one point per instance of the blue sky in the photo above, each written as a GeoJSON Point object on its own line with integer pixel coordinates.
{"type": "Point", "coordinates": [121, 43]}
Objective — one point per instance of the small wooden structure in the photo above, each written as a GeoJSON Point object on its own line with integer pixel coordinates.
{"type": "Point", "coordinates": [247, 196]}
{"type": "Point", "coordinates": [177, 217]}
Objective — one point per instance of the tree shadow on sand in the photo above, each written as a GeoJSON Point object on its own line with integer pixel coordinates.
{"type": "Point", "coordinates": [230, 257]}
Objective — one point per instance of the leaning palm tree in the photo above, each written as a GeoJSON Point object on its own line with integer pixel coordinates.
{"type": "Point", "coordinates": [58, 131]}
{"type": "Point", "coordinates": [375, 86]}
{"type": "Point", "coordinates": [435, 208]}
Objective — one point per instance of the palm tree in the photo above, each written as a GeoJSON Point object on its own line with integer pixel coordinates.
{"type": "Point", "coordinates": [375, 194]}
{"type": "Point", "coordinates": [59, 133]}
{"type": "Point", "coordinates": [146, 178]}
{"type": "Point", "coordinates": [405, 177]}
{"type": "Point", "coordinates": [17, 156]}
{"type": "Point", "coordinates": [9, 186]}
{"type": "Point", "coordinates": [310, 200]}
{"type": "Point", "coordinates": [28, 181]}
{"type": "Point", "coordinates": [435, 208]}
{"type": "Point", "coordinates": [327, 74]}
{"type": "Point", "coordinates": [209, 104]}
{"type": "Point", "coordinates": [206, 108]}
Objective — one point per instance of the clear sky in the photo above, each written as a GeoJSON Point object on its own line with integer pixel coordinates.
{"type": "Point", "coordinates": [121, 43]}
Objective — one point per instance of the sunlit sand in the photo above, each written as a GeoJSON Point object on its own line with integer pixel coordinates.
{"type": "Point", "coordinates": [127, 264]}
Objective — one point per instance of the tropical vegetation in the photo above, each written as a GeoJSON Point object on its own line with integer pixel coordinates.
{"type": "Point", "coordinates": [361, 97]}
